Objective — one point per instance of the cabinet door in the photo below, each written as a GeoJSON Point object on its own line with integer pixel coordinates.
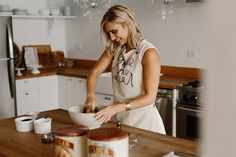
{"type": "Point", "coordinates": [64, 91]}
{"type": "Point", "coordinates": [27, 101]}
{"type": "Point", "coordinates": [27, 95]}
{"type": "Point", "coordinates": [103, 100]}
{"type": "Point", "coordinates": [78, 91]}
{"type": "Point", "coordinates": [48, 91]}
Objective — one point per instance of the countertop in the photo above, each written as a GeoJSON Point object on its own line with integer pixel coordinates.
{"type": "Point", "coordinates": [166, 81]}
{"type": "Point", "coordinates": [29, 144]}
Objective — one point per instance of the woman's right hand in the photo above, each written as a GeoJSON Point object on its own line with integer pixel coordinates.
{"type": "Point", "coordinates": [90, 103]}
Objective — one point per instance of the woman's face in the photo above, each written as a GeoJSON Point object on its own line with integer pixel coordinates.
{"type": "Point", "coordinates": [117, 32]}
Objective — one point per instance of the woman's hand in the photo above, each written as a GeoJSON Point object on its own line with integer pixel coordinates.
{"type": "Point", "coordinates": [90, 103]}
{"type": "Point", "coordinates": [105, 114]}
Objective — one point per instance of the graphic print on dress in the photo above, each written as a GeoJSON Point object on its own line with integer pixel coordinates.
{"type": "Point", "coordinates": [123, 73]}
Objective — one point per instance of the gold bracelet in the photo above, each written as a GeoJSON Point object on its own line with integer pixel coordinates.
{"type": "Point", "coordinates": [127, 106]}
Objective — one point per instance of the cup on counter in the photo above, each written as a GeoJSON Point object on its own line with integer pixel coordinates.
{"type": "Point", "coordinates": [42, 125]}
{"type": "Point", "coordinates": [24, 123]}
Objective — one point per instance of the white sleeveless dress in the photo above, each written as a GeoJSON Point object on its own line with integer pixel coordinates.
{"type": "Point", "coordinates": [127, 81]}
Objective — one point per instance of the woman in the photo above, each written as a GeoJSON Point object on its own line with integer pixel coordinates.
{"type": "Point", "coordinates": [135, 72]}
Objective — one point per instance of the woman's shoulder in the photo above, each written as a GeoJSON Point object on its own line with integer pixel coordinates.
{"type": "Point", "coordinates": [145, 45]}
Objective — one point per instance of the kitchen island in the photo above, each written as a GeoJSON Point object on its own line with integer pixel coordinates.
{"type": "Point", "coordinates": [28, 144]}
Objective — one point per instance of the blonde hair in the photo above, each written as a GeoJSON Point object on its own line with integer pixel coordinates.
{"type": "Point", "coordinates": [121, 14]}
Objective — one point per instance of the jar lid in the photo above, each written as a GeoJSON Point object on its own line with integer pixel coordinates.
{"type": "Point", "coordinates": [72, 130]}
{"type": "Point", "coordinates": [107, 134]}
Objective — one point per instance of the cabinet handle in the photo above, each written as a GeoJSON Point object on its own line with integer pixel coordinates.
{"type": "Point", "coordinates": [107, 98]}
{"type": "Point", "coordinates": [26, 93]}
{"type": "Point", "coordinates": [25, 81]}
{"type": "Point", "coordinates": [69, 79]}
{"type": "Point", "coordinates": [80, 81]}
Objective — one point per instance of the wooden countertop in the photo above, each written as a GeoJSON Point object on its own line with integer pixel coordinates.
{"type": "Point", "coordinates": [166, 81]}
{"type": "Point", "coordinates": [29, 144]}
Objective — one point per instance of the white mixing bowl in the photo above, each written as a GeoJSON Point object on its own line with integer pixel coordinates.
{"type": "Point", "coordinates": [85, 119]}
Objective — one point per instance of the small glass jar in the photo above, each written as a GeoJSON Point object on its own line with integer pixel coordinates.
{"type": "Point", "coordinates": [110, 142]}
{"type": "Point", "coordinates": [71, 141]}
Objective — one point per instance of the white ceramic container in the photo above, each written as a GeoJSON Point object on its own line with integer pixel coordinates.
{"type": "Point", "coordinates": [111, 142]}
{"type": "Point", "coordinates": [42, 125]}
{"type": "Point", "coordinates": [24, 124]}
{"type": "Point", "coordinates": [71, 141]}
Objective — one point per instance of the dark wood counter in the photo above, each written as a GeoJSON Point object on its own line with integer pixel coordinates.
{"type": "Point", "coordinates": [172, 76]}
{"type": "Point", "coordinates": [29, 144]}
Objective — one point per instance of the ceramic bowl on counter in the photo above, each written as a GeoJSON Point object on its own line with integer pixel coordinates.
{"type": "Point", "coordinates": [24, 123]}
{"type": "Point", "coordinates": [85, 119]}
{"type": "Point", "coordinates": [42, 125]}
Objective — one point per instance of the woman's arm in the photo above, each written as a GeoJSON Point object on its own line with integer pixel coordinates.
{"type": "Point", "coordinates": [151, 76]}
{"type": "Point", "coordinates": [101, 65]}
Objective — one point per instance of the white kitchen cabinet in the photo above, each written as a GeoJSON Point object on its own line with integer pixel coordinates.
{"type": "Point", "coordinates": [72, 91]}
{"type": "Point", "coordinates": [27, 95]}
{"type": "Point", "coordinates": [48, 92]}
{"type": "Point", "coordinates": [78, 91]}
{"type": "Point", "coordinates": [37, 94]}
{"type": "Point", "coordinates": [64, 84]}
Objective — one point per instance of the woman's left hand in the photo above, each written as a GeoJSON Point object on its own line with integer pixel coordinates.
{"type": "Point", "coordinates": [105, 114]}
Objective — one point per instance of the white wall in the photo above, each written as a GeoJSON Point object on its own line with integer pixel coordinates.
{"type": "Point", "coordinates": [38, 31]}
{"type": "Point", "coordinates": [173, 36]}
{"type": "Point", "coordinates": [80, 38]}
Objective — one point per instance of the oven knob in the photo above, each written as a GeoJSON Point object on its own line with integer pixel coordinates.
{"type": "Point", "coordinates": [186, 98]}
{"type": "Point", "coordinates": [194, 99]}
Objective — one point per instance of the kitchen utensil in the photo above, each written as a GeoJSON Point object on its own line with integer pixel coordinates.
{"type": "Point", "coordinates": [42, 125]}
{"type": "Point", "coordinates": [85, 119]}
{"type": "Point", "coordinates": [19, 71]}
{"type": "Point", "coordinates": [24, 124]}
{"type": "Point", "coordinates": [48, 138]}
{"type": "Point", "coordinates": [35, 69]}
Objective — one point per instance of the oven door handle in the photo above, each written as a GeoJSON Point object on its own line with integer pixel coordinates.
{"type": "Point", "coordinates": [188, 109]}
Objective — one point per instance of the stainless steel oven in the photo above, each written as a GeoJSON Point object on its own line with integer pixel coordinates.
{"type": "Point", "coordinates": [189, 111]}
{"type": "Point", "coordinates": [188, 122]}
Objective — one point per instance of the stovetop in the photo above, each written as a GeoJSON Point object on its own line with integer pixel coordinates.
{"type": "Point", "coordinates": [190, 93]}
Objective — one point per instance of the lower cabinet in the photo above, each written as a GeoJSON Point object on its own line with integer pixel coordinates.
{"type": "Point", "coordinates": [72, 91]}
{"type": "Point", "coordinates": [48, 93]}
{"type": "Point", "coordinates": [37, 94]}
{"type": "Point", "coordinates": [27, 95]}
{"type": "Point", "coordinates": [51, 92]}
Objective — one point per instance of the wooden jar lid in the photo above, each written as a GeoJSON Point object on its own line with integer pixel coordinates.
{"type": "Point", "coordinates": [107, 134]}
{"type": "Point", "coordinates": [72, 130]}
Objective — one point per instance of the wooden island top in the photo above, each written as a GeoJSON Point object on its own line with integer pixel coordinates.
{"type": "Point", "coordinates": [28, 144]}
